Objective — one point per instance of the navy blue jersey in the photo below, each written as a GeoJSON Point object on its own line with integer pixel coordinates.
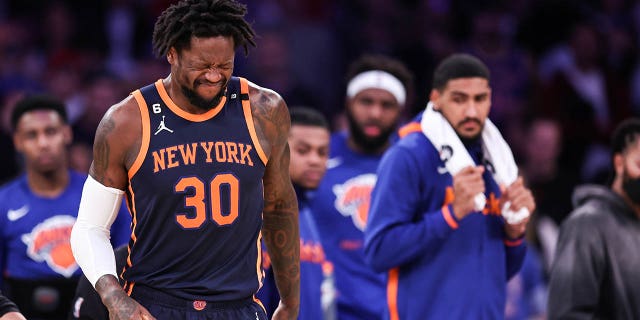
{"type": "Point", "coordinates": [196, 196]}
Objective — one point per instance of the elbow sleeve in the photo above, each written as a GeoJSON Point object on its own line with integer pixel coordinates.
{"type": "Point", "coordinates": [90, 235]}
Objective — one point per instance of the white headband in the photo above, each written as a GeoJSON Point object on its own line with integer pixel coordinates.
{"type": "Point", "coordinates": [377, 79]}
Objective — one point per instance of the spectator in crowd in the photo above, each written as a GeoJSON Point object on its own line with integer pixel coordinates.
{"type": "Point", "coordinates": [594, 274]}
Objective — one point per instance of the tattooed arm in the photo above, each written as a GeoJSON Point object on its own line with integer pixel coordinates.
{"type": "Point", "coordinates": [116, 144]}
{"type": "Point", "coordinates": [280, 228]}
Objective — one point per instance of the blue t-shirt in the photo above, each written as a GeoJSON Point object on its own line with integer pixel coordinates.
{"type": "Point", "coordinates": [35, 230]}
{"type": "Point", "coordinates": [340, 208]}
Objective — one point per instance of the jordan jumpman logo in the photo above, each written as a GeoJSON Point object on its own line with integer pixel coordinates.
{"type": "Point", "coordinates": [162, 127]}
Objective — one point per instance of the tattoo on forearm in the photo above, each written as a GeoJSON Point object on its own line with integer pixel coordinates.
{"type": "Point", "coordinates": [281, 233]}
{"type": "Point", "coordinates": [119, 304]}
{"type": "Point", "coordinates": [122, 307]}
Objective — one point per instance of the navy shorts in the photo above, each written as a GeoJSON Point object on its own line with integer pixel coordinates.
{"type": "Point", "coordinates": [164, 306]}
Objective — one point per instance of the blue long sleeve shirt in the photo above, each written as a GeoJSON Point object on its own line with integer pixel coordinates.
{"type": "Point", "coordinates": [437, 267]}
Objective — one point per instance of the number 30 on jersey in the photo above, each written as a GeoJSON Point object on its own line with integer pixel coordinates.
{"type": "Point", "coordinates": [198, 200]}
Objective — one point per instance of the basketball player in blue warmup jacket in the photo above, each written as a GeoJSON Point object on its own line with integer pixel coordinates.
{"type": "Point", "coordinates": [309, 143]}
{"type": "Point", "coordinates": [38, 210]}
{"type": "Point", "coordinates": [376, 93]}
{"type": "Point", "coordinates": [203, 159]}
{"type": "Point", "coordinates": [444, 259]}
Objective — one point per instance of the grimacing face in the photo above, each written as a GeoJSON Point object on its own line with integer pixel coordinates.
{"type": "Point", "coordinates": [309, 154]}
{"type": "Point", "coordinates": [42, 137]}
{"type": "Point", "coordinates": [203, 70]}
{"type": "Point", "coordinates": [373, 115]}
{"type": "Point", "coordinates": [465, 103]}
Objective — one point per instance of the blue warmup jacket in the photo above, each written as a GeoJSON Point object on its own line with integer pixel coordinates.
{"type": "Point", "coordinates": [438, 267]}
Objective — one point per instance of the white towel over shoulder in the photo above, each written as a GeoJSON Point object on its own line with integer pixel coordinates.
{"type": "Point", "coordinates": [455, 155]}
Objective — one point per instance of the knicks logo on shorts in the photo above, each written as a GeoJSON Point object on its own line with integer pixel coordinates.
{"type": "Point", "coordinates": [199, 305]}
{"type": "Point", "coordinates": [353, 197]}
{"type": "Point", "coordinates": [49, 242]}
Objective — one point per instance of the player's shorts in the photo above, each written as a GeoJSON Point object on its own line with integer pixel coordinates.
{"type": "Point", "coordinates": [165, 306]}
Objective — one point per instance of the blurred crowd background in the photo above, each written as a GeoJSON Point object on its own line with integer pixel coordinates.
{"type": "Point", "coordinates": [564, 72]}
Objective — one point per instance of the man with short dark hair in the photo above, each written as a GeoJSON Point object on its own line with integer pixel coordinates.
{"type": "Point", "coordinates": [309, 143]}
{"type": "Point", "coordinates": [38, 210]}
{"type": "Point", "coordinates": [378, 89]}
{"type": "Point", "coordinates": [436, 218]}
{"type": "Point", "coordinates": [595, 271]}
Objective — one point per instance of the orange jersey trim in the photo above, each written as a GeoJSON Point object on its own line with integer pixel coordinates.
{"type": "Point", "coordinates": [144, 148]}
{"type": "Point", "coordinates": [248, 117]}
{"type": "Point", "coordinates": [130, 287]}
{"type": "Point", "coordinates": [409, 128]}
{"type": "Point", "coordinates": [184, 114]}
{"type": "Point", "coordinates": [259, 260]}
{"type": "Point", "coordinates": [256, 300]}
{"type": "Point", "coordinates": [448, 217]}
{"type": "Point", "coordinates": [146, 134]}
{"type": "Point", "coordinates": [512, 243]}
{"type": "Point", "coordinates": [392, 294]}
{"type": "Point", "coordinates": [134, 223]}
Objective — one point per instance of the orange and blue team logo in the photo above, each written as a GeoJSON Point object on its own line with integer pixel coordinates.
{"type": "Point", "coordinates": [199, 305]}
{"type": "Point", "coordinates": [353, 198]}
{"type": "Point", "coordinates": [49, 242]}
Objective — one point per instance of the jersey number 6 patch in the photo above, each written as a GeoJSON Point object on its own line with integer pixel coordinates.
{"type": "Point", "coordinates": [195, 196]}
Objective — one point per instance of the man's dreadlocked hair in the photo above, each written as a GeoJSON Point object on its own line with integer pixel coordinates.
{"type": "Point", "coordinates": [201, 18]}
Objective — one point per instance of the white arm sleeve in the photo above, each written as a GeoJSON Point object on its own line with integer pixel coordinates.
{"type": "Point", "coordinates": [90, 244]}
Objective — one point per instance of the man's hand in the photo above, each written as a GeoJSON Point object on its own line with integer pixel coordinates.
{"type": "Point", "coordinates": [515, 231]}
{"type": "Point", "coordinates": [119, 304]}
{"type": "Point", "coordinates": [283, 312]}
{"type": "Point", "coordinates": [520, 197]}
{"type": "Point", "coordinates": [123, 307]}
{"type": "Point", "coordinates": [467, 183]}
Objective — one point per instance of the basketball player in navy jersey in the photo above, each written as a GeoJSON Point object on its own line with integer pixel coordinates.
{"type": "Point", "coordinates": [203, 161]}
